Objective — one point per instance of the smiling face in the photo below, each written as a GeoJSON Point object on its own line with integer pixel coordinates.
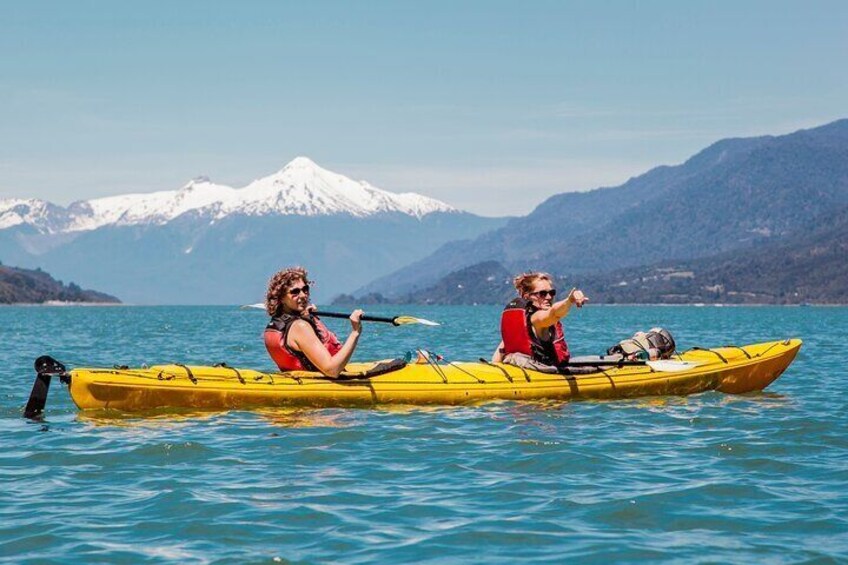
{"type": "Point", "coordinates": [541, 293]}
{"type": "Point", "coordinates": [295, 298]}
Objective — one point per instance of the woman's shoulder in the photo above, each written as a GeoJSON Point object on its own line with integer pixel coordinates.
{"type": "Point", "coordinates": [301, 327]}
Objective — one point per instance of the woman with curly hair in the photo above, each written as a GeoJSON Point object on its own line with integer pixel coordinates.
{"type": "Point", "coordinates": [531, 330]}
{"type": "Point", "coordinates": [298, 340]}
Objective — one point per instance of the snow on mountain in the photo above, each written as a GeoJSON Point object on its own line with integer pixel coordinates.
{"type": "Point", "coordinates": [304, 188]}
{"type": "Point", "coordinates": [149, 208]}
{"type": "Point", "coordinates": [44, 216]}
{"type": "Point", "coordinates": [300, 188]}
{"type": "Point", "coordinates": [15, 211]}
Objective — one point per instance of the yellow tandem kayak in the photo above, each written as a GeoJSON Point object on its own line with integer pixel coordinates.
{"type": "Point", "coordinates": [727, 369]}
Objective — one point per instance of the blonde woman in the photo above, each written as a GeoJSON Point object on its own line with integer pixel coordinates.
{"type": "Point", "coordinates": [530, 324]}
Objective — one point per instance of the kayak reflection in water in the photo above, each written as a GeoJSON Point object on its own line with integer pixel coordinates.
{"type": "Point", "coordinates": [296, 339]}
{"type": "Point", "coordinates": [531, 331]}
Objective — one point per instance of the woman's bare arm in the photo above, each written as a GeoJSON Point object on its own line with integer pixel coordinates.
{"type": "Point", "coordinates": [497, 356]}
{"type": "Point", "coordinates": [558, 310]}
{"type": "Point", "coordinates": [303, 338]}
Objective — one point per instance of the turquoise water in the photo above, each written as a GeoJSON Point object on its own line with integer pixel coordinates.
{"type": "Point", "coordinates": [705, 478]}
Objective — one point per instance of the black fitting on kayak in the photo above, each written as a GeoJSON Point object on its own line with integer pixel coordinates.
{"type": "Point", "coordinates": [469, 373]}
{"type": "Point", "coordinates": [45, 368]}
{"type": "Point", "coordinates": [236, 371]}
{"type": "Point", "coordinates": [189, 374]}
{"type": "Point", "coordinates": [708, 350]}
{"type": "Point", "coordinates": [742, 349]}
{"type": "Point", "coordinates": [501, 369]}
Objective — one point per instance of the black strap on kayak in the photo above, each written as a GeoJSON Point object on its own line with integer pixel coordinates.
{"type": "Point", "coordinates": [236, 371]}
{"type": "Point", "coordinates": [161, 376]}
{"type": "Point", "coordinates": [270, 378]}
{"type": "Point", "coordinates": [189, 374]}
{"type": "Point", "coordinates": [435, 366]}
{"type": "Point", "coordinates": [716, 353]}
{"type": "Point", "coordinates": [499, 368]}
{"type": "Point", "coordinates": [769, 348]}
{"type": "Point", "coordinates": [522, 369]}
{"type": "Point", "coordinates": [742, 349]}
{"type": "Point", "coordinates": [470, 374]}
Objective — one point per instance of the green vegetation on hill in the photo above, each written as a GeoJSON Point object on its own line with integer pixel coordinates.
{"type": "Point", "coordinates": [809, 269]}
{"type": "Point", "coordinates": [735, 196]}
{"type": "Point", "coordinates": [478, 284]}
{"type": "Point", "coordinates": [483, 283]}
{"type": "Point", "coordinates": [25, 286]}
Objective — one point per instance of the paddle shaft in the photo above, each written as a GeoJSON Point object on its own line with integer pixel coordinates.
{"type": "Point", "coordinates": [365, 318]}
{"type": "Point", "coordinates": [606, 364]}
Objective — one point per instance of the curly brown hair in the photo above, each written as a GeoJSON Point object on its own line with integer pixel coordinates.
{"type": "Point", "coordinates": [279, 284]}
{"type": "Point", "coordinates": [524, 282]}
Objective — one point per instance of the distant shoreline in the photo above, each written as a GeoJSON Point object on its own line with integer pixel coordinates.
{"type": "Point", "coordinates": [60, 303]}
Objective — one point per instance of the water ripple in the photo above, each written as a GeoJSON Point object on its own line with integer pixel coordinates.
{"type": "Point", "coordinates": [705, 478]}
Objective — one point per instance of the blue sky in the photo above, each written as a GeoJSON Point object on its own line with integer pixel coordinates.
{"type": "Point", "coordinates": [490, 106]}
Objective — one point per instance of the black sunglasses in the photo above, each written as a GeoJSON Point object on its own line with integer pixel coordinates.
{"type": "Point", "coordinates": [545, 293]}
{"type": "Point", "coordinates": [296, 291]}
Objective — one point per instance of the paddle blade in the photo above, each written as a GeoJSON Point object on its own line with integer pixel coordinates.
{"type": "Point", "coordinates": [403, 320]}
{"type": "Point", "coordinates": [670, 365]}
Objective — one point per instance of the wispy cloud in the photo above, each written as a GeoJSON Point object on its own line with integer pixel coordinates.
{"type": "Point", "coordinates": [567, 110]}
{"type": "Point", "coordinates": [655, 133]}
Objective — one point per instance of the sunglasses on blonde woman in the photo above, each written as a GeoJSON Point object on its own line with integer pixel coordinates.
{"type": "Point", "coordinates": [544, 293]}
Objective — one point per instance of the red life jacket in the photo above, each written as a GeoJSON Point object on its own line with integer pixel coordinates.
{"type": "Point", "coordinates": [287, 359]}
{"type": "Point", "coordinates": [518, 335]}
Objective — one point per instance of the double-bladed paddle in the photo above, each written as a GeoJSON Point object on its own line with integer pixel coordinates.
{"type": "Point", "coordinates": [395, 320]}
{"type": "Point", "coordinates": [660, 365]}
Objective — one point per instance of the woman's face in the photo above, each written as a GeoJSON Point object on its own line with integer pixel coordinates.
{"type": "Point", "coordinates": [296, 297]}
{"type": "Point", "coordinates": [541, 294]}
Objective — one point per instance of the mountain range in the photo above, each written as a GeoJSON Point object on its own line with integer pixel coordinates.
{"type": "Point", "coordinates": [761, 219]}
{"type": "Point", "coordinates": [755, 220]}
{"type": "Point", "coordinates": [208, 243]}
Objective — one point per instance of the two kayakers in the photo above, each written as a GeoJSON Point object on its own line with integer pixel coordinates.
{"type": "Point", "coordinates": [296, 339]}
{"type": "Point", "coordinates": [531, 331]}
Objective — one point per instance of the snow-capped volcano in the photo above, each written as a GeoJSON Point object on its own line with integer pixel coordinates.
{"type": "Point", "coordinates": [305, 189]}
{"type": "Point", "coordinates": [301, 188]}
